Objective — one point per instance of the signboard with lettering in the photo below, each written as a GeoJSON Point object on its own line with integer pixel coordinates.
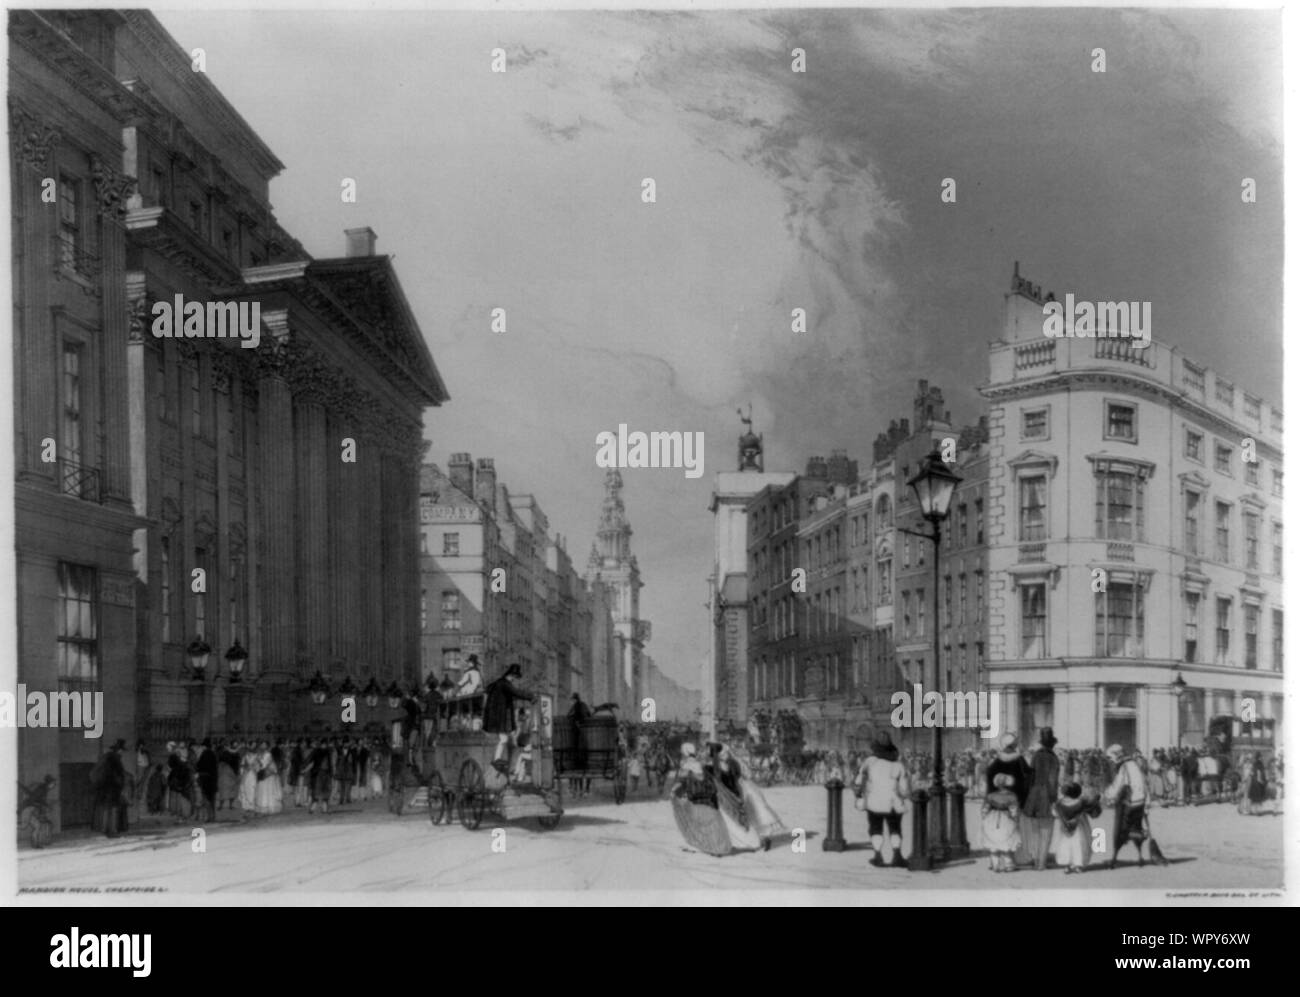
{"type": "Point", "coordinates": [450, 513]}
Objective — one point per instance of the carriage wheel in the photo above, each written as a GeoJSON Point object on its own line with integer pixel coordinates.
{"type": "Point", "coordinates": [437, 797]}
{"type": "Point", "coordinates": [620, 783]}
{"type": "Point", "coordinates": [471, 801]}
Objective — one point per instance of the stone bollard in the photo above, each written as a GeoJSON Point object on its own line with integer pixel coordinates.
{"type": "Point", "coordinates": [834, 840]}
{"type": "Point", "coordinates": [957, 821]}
{"type": "Point", "coordinates": [920, 858]}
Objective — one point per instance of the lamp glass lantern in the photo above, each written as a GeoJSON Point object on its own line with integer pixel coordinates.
{"type": "Point", "coordinates": [372, 693]}
{"type": "Point", "coordinates": [933, 484]}
{"type": "Point", "coordinates": [319, 689]}
{"type": "Point", "coordinates": [237, 659]}
{"type": "Point", "coordinates": [198, 652]}
{"type": "Point", "coordinates": [394, 694]}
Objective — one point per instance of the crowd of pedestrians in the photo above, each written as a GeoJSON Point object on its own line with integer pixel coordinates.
{"type": "Point", "coordinates": [195, 781]}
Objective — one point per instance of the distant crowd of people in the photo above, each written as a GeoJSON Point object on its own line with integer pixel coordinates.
{"type": "Point", "coordinates": [194, 781]}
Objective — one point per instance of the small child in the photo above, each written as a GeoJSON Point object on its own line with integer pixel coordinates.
{"type": "Point", "coordinates": [1000, 818]}
{"type": "Point", "coordinates": [1074, 842]}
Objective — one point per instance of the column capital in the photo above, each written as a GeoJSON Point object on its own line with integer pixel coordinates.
{"type": "Point", "coordinates": [271, 358]}
{"type": "Point", "coordinates": [112, 187]}
{"type": "Point", "coordinates": [33, 139]}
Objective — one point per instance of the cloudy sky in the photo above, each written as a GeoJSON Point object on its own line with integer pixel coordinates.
{"type": "Point", "coordinates": [775, 190]}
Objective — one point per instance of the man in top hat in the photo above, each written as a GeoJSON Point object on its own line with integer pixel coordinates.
{"type": "Point", "coordinates": [109, 795]}
{"type": "Point", "coordinates": [471, 682]}
{"type": "Point", "coordinates": [499, 713]}
{"type": "Point", "coordinates": [1128, 791]}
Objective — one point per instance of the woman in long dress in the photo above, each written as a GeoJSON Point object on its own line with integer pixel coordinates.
{"type": "Point", "coordinates": [376, 774]}
{"type": "Point", "coordinates": [268, 797]}
{"type": "Point", "coordinates": [248, 779]}
{"type": "Point", "coordinates": [227, 776]}
{"type": "Point", "coordinates": [762, 818]}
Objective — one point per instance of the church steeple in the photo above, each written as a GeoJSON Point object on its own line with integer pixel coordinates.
{"type": "Point", "coordinates": [614, 536]}
{"type": "Point", "coordinates": [750, 448]}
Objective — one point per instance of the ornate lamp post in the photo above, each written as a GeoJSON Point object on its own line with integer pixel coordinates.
{"type": "Point", "coordinates": [236, 659]}
{"type": "Point", "coordinates": [348, 688]}
{"type": "Point", "coordinates": [319, 688]}
{"type": "Point", "coordinates": [198, 652]}
{"type": "Point", "coordinates": [371, 692]}
{"type": "Point", "coordinates": [394, 694]}
{"type": "Point", "coordinates": [934, 485]}
{"type": "Point", "coordinates": [1179, 685]}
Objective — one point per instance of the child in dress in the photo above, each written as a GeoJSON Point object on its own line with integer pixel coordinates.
{"type": "Point", "coordinates": [1000, 818]}
{"type": "Point", "coordinates": [1074, 830]}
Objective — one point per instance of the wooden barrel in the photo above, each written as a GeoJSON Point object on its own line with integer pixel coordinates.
{"type": "Point", "coordinates": [563, 735]}
{"type": "Point", "coordinates": [601, 733]}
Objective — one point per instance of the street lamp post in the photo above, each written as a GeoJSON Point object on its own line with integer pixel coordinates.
{"type": "Point", "coordinates": [934, 485]}
{"type": "Point", "coordinates": [1179, 685]}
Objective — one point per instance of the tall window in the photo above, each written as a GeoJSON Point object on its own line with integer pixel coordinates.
{"type": "Point", "coordinates": [979, 595]}
{"type": "Point", "coordinates": [196, 401]}
{"type": "Point", "coordinates": [1277, 640]}
{"type": "Point", "coordinates": [920, 612]}
{"type": "Point", "coordinates": [70, 235]}
{"type": "Point", "coordinates": [1120, 621]}
{"type": "Point", "coordinates": [1252, 472]}
{"type": "Point", "coordinates": [1250, 522]}
{"type": "Point", "coordinates": [451, 610]}
{"type": "Point", "coordinates": [907, 551]}
{"type": "Point", "coordinates": [979, 521]}
{"type": "Point", "coordinates": [78, 633]}
{"type": "Point", "coordinates": [1277, 483]}
{"type": "Point", "coordinates": [1034, 426]}
{"type": "Point", "coordinates": [1033, 620]}
{"type": "Point", "coordinates": [236, 591]}
{"type": "Point", "coordinates": [907, 614]}
{"type": "Point", "coordinates": [1222, 512]}
{"type": "Point", "coordinates": [885, 580]}
{"type": "Point", "coordinates": [1277, 548]}
{"type": "Point", "coordinates": [165, 586]}
{"type": "Point", "coordinates": [1252, 636]}
{"type": "Point", "coordinates": [1192, 522]}
{"type": "Point", "coordinates": [1121, 422]}
{"type": "Point", "coordinates": [1222, 633]}
{"type": "Point", "coordinates": [424, 610]}
{"type": "Point", "coordinates": [961, 600]}
{"type": "Point", "coordinates": [71, 442]}
{"type": "Point", "coordinates": [1222, 458]}
{"type": "Point", "coordinates": [1194, 446]}
{"type": "Point", "coordinates": [201, 598]}
{"type": "Point", "coordinates": [451, 662]}
{"type": "Point", "coordinates": [451, 545]}
{"type": "Point", "coordinates": [1119, 506]}
{"type": "Point", "coordinates": [1191, 625]}
{"type": "Point", "coordinates": [1033, 508]}
{"type": "Point", "coordinates": [962, 523]}
{"type": "Point", "coordinates": [947, 600]}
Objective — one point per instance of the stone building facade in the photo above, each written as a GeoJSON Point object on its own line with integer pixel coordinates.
{"type": "Point", "coordinates": [1134, 554]}
{"type": "Point", "coordinates": [264, 499]}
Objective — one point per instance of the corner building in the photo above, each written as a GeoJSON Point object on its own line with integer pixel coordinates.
{"type": "Point", "coordinates": [1121, 468]}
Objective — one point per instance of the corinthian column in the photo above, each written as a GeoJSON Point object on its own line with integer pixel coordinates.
{"type": "Point", "coordinates": [276, 487]}
{"type": "Point", "coordinates": [312, 450]}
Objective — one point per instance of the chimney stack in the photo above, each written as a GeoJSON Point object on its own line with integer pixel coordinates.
{"type": "Point", "coordinates": [485, 484]}
{"type": "Point", "coordinates": [460, 469]}
{"type": "Point", "coordinates": [360, 241]}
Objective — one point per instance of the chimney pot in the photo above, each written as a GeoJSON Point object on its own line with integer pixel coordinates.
{"type": "Point", "coordinates": [360, 241]}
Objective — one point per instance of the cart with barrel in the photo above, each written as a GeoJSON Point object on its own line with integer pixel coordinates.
{"type": "Point", "coordinates": [460, 783]}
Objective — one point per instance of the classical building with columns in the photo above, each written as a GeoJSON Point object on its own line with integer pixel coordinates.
{"type": "Point", "coordinates": [74, 516]}
{"type": "Point", "coordinates": [259, 502]}
{"type": "Point", "coordinates": [1135, 556]}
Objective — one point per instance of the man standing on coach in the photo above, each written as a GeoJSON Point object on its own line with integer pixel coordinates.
{"type": "Point", "coordinates": [499, 714]}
